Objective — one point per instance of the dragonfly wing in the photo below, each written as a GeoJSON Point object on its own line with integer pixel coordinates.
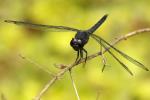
{"type": "Point", "coordinates": [137, 63]}
{"type": "Point", "coordinates": [106, 48]}
{"type": "Point", "coordinates": [40, 26]}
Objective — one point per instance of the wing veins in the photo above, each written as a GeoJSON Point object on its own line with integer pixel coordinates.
{"type": "Point", "coordinates": [106, 48]}
{"type": "Point", "coordinates": [137, 63]}
{"type": "Point", "coordinates": [42, 26]}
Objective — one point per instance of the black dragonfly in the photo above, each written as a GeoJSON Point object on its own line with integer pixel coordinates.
{"type": "Point", "coordinates": [81, 38]}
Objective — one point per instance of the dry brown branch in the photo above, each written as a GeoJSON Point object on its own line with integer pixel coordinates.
{"type": "Point", "coordinates": [98, 95]}
{"type": "Point", "coordinates": [66, 68]}
{"type": "Point", "coordinates": [74, 86]}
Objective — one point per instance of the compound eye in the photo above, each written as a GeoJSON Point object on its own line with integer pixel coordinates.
{"type": "Point", "coordinates": [79, 41]}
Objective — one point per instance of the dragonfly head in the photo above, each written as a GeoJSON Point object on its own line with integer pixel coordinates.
{"type": "Point", "coordinates": [76, 44]}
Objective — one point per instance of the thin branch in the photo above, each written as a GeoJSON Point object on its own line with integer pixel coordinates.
{"type": "Point", "coordinates": [68, 67]}
{"type": "Point", "coordinates": [36, 64]}
{"type": "Point", "coordinates": [98, 95]}
{"type": "Point", "coordinates": [74, 86]}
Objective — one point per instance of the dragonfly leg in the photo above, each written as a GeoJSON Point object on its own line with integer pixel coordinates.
{"type": "Point", "coordinates": [86, 54]}
{"type": "Point", "coordinates": [81, 54]}
{"type": "Point", "coordinates": [83, 50]}
{"type": "Point", "coordinates": [78, 52]}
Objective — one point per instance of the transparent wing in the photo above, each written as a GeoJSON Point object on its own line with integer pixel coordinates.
{"type": "Point", "coordinates": [104, 45]}
{"type": "Point", "coordinates": [40, 26]}
{"type": "Point", "coordinates": [107, 45]}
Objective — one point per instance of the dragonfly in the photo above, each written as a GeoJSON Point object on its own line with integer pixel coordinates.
{"type": "Point", "coordinates": [81, 39]}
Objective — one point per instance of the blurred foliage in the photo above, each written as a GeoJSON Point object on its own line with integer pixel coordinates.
{"type": "Point", "coordinates": [22, 80]}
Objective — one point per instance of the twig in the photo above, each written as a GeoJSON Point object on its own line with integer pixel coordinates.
{"type": "Point", "coordinates": [74, 85]}
{"type": "Point", "coordinates": [68, 67]}
{"type": "Point", "coordinates": [37, 65]}
{"type": "Point", "coordinates": [53, 80]}
{"type": "Point", "coordinates": [98, 95]}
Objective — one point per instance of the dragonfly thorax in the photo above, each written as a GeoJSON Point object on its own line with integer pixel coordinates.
{"type": "Point", "coordinates": [76, 44]}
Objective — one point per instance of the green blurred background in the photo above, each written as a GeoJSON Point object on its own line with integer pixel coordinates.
{"type": "Point", "coordinates": [22, 80]}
